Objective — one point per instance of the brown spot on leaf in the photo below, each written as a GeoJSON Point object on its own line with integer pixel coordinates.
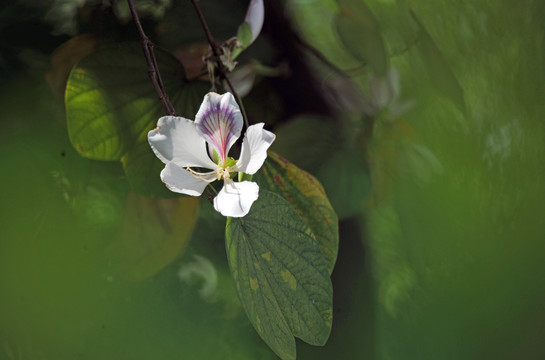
{"type": "Point", "coordinates": [281, 159]}
{"type": "Point", "coordinates": [278, 180]}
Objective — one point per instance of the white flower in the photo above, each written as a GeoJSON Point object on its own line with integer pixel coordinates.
{"type": "Point", "coordinates": [183, 145]}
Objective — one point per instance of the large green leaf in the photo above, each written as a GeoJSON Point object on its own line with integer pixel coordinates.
{"type": "Point", "coordinates": [307, 196]}
{"type": "Point", "coordinates": [360, 33]}
{"type": "Point", "coordinates": [438, 68]}
{"type": "Point", "coordinates": [315, 24]}
{"type": "Point", "coordinates": [111, 105]}
{"type": "Point", "coordinates": [280, 275]}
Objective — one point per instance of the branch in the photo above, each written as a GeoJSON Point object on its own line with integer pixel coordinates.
{"type": "Point", "coordinates": [215, 51]}
{"type": "Point", "coordinates": [153, 69]}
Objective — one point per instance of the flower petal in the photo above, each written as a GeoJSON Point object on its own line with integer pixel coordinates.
{"type": "Point", "coordinates": [254, 148]}
{"type": "Point", "coordinates": [236, 198]}
{"type": "Point", "coordinates": [219, 121]}
{"type": "Point", "coordinates": [182, 181]}
{"type": "Point", "coordinates": [177, 140]}
{"type": "Point", "coordinates": [254, 17]}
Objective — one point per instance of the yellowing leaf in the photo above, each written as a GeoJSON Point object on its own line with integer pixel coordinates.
{"type": "Point", "coordinates": [65, 57]}
{"type": "Point", "coordinates": [307, 196]}
{"type": "Point", "coordinates": [153, 234]}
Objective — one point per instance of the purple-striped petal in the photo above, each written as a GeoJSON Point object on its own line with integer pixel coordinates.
{"type": "Point", "coordinates": [219, 121]}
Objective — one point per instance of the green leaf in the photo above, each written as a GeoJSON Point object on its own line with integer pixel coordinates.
{"type": "Point", "coordinates": [111, 105]}
{"type": "Point", "coordinates": [280, 275]}
{"type": "Point", "coordinates": [359, 31]}
{"type": "Point", "coordinates": [441, 75]}
{"type": "Point", "coordinates": [307, 140]}
{"type": "Point", "coordinates": [154, 232]}
{"type": "Point", "coordinates": [307, 196]}
{"type": "Point", "coordinates": [142, 171]}
{"type": "Point", "coordinates": [315, 24]}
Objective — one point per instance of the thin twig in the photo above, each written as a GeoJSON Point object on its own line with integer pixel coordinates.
{"type": "Point", "coordinates": [153, 69]}
{"type": "Point", "coordinates": [215, 51]}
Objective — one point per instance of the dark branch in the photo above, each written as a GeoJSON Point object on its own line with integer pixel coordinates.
{"type": "Point", "coordinates": [153, 69]}
{"type": "Point", "coordinates": [216, 52]}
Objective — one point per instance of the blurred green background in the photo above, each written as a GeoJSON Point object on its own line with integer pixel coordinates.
{"type": "Point", "coordinates": [439, 187]}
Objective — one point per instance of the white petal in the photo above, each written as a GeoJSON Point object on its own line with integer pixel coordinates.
{"type": "Point", "coordinates": [219, 121]}
{"type": "Point", "coordinates": [254, 148]}
{"type": "Point", "coordinates": [177, 140]}
{"type": "Point", "coordinates": [243, 78]}
{"type": "Point", "coordinates": [182, 181]}
{"type": "Point", "coordinates": [254, 17]}
{"type": "Point", "coordinates": [236, 199]}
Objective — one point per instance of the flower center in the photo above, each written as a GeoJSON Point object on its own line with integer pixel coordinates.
{"type": "Point", "coordinates": [224, 172]}
{"type": "Point", "coordinates": [225, 168]}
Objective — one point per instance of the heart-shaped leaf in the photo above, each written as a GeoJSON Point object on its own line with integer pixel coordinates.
{"type": "Point", "coordinates": [280, 275]}
{"type": "Point", "coordinates": [307, 196]}
{"type": "Point", "coordinates": [111, 105]}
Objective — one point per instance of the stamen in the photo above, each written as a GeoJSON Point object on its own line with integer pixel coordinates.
{"type": "Point", "coordinates": [199, 175]}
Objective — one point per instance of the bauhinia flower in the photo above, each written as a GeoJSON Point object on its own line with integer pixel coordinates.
{"type": "Point", "coordinates": [187, 147]}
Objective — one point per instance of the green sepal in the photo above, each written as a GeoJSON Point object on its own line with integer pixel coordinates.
{"type": "Point", "coordinates": [244, 37]}
{"type": "Point", "coordinates": [230, 162]}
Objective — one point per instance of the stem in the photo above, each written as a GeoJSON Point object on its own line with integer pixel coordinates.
{"type": "Point", "coordinates": [242, 110]}
{"type": "Point", "coordinates": [153, 69]}
{"type": "Point", "coordinates": [210, 187]}
{"type": "Point", "coordinates": [215, 51]}
{"type": "Point", "coordinates": [209, 194]}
